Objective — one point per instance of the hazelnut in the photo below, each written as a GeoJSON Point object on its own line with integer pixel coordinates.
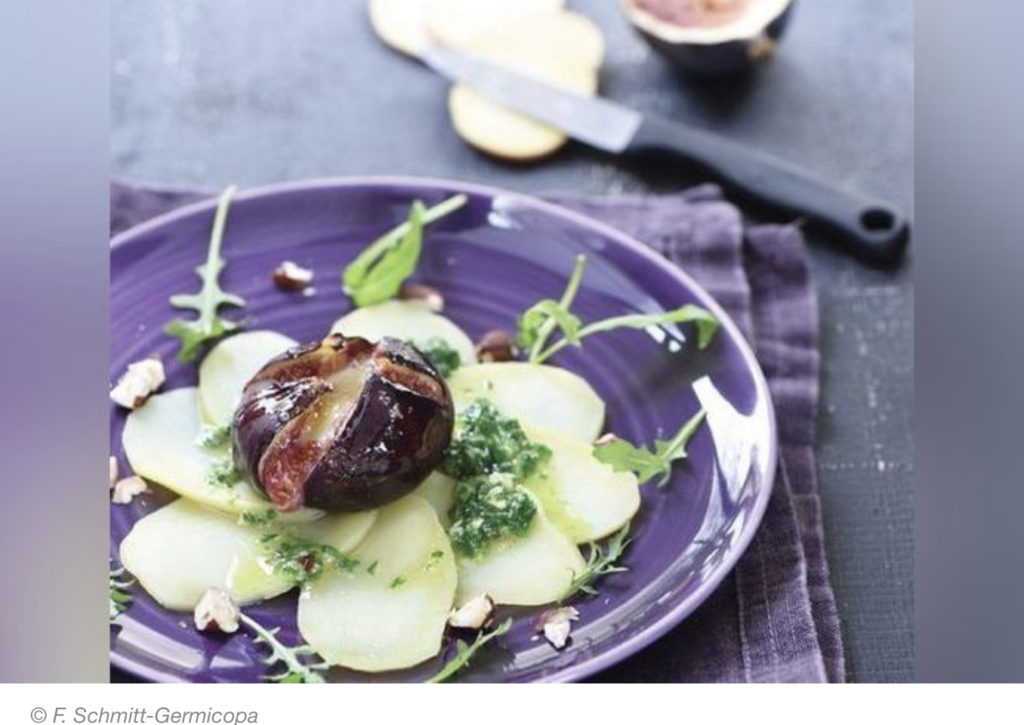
{"type": "Point", "coordinates": [477, 613]}
{"type": "Point", "coordinates": [215, 612]}
{"type": "Point", "coordinates": [140, 380]}
{"type": "Point", "coordinates": [290, 277]}
{"type": "Point", "coordinates": [556, 624]}
{"type": "Point", "coordinates": [128, 488]}
{"type": "Point", "coordinates": [495, 346]}
{"type": "Point", "coordinates": [430, 297]}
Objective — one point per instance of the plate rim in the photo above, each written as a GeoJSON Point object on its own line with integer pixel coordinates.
{"type": "Point", "coordinates": [680, 610]}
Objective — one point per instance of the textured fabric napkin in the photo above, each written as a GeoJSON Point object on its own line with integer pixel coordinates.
{"type": "Point", "coordinates": [774, 618]}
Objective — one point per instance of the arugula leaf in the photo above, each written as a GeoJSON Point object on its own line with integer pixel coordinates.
{"type": "Point", "coordinates": [465, 652]}
{"type": "Point", "coordinates": [538, 322]}
{"type": "Point", "coordinates": [120, 597]}
{"type": "Point", "coordinates": [543, 318]}
{"type": "Point", "coordinates": [208, 325]}
{"type": "Point", "coordinates": [296, 670]}
{"type": "Point", "coordinates": [378, 272]}
{"type": "Point", "coordinates": [624, 456]}
{"type": "Point", "coordinates": [600, 562]}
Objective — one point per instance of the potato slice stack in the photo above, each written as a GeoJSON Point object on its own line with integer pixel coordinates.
{"type": "Point", "coordinates": [538, 38]}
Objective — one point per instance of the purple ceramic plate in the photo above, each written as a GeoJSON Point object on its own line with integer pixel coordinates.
{"type": "Point", "coordinates": [492, 259]}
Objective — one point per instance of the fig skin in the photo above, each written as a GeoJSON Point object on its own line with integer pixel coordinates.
{"type": "Point", "coordinates": [342, 424]}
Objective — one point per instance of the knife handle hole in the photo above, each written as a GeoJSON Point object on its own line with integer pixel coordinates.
{"type": "Point", "coordinates": [877, 219]}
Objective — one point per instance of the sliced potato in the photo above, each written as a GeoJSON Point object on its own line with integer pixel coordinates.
{"type": "Point", "coordinates": [584, 498]}
{"type": "Point", "coordinates": [401, 24]}
{"type": "Point", "coordinates": [159, 442]}
{"type": "Point", "coordinates": [180, 551]}
{"type": "Point", "coordinates": [572, 36]}
{"type": "Point", "coordinates": [497, 130]}
{"type": "Point", "coordinates": [229, 366]}
{"type": "Point", "coordinates": [456, 22]}
{"type": "Point", "coordinates": [542, 395]}
{"type": "Point", "coordinates": [439, 491]}
{"type": "Point", "coordinates": [407, 320]}
{"type": "Point", "coordinates": [532, 570]}
{"type": "Point", "coordinates": [393, 617]}
{"type": "Point", "coordinates": [558, 47]}
{"type": "Point", "coordinates": [508, 134]}
{"type": "Point", "coordinates": [343, 531]}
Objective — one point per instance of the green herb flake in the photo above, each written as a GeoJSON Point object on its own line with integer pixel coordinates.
{"type": "Point", "coordinates": [223, 474]}
{"type": "Point", "coordinates": [397, 582]}
{"type": "Point", "coordinates": [214, 436]}
{"type": "Point", "coordinates": [441, 355]}
{"type": "Point", "coordinates": [208, 326]}
{"type": "Point", "coordinates": [304, 561]}
{"type": "Point", "coordinates": [464, 653]}
{"type": "Point", "coordinates": [545, 317]}
{"type": "Point", "coordinates": [646, 464]}
{"type": "Point", "coordinates": [259, 518]}
{"type": "Point", "coordinates": [372, 568]}
{"type": "Point", "coordinates": [377, 274]}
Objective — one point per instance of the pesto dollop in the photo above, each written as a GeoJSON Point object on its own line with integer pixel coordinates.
{"type": "Point", "coordinates": [490, 457]}
{"type": "Point", "coordinates": [441, 355]}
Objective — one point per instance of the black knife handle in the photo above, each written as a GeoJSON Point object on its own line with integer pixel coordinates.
{"type": "Point", "coordinates": [870, 229]}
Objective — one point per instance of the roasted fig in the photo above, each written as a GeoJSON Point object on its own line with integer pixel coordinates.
{"type": "Point", "coordinates": [711, 37]}
{"type": "Point", "coordinates": [342, 424]}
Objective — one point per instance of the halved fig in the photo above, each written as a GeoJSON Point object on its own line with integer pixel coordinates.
{"type": "Point", "coordinates": [342, 424]}
{"type": "Point", "coordinates": [711, 37]}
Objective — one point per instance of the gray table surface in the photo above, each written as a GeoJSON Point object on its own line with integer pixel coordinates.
{"type": "Point", "coordinates": [207, 93]}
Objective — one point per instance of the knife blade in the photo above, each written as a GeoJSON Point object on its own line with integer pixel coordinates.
{"type": "Point", "coordinates": [869, 228]}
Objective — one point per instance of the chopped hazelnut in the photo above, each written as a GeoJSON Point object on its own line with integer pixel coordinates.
{"type": "Point", "coordinates": [477, 613]}
{"type": "Point", "coordinates": [290, 277]}
{"type": "Point", "coordinates": [128, 488]}
{"type": "Point", "coordinates": [215, 612]}
{"type": "Point", "coordinates": [605, 440]}
{"type": "Point", "coordinates": [140, 380]}
{"type": "Point", "coordinates": [556, 624]}
{"type": "Point", "coordinates": [495, 346]}
{"type": "Point", "coordinates": [113, 472]}
{"type": "Point", "coordinates": [429, 296]}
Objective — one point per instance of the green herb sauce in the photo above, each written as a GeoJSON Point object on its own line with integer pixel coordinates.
{"type": "Point", "coordinates": [258, 518]}
{"type": "Point", "coordinates": [441, 355]}
{"type": "Point", "coordinates": [223, 474]}
{"type": "Point", "coordinates": [490, 458]}
{"type": "Point", "coordinates": [215, 436]}
{"type": "Point", "coordinates": [304, 561]}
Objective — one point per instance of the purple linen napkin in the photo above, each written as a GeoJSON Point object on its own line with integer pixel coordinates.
{"type": "Point", "coordinates": [774, 618]}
